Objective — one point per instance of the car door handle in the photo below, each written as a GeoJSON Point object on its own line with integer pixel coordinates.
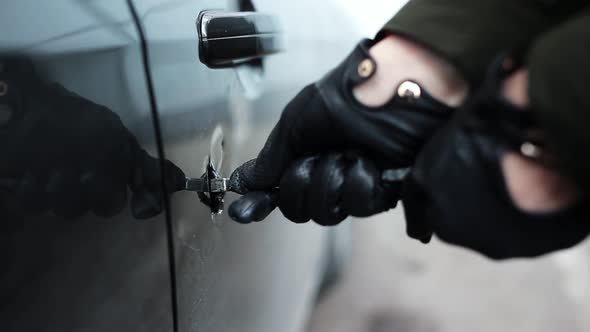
{"type": "Point", "coordinates": [230, 39]}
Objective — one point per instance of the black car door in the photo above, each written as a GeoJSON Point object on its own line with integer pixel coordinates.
{"type": "Point", "coordinates": [85, 273]}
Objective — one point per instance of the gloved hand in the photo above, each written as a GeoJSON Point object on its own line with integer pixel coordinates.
{"type": "Point", "coordinates": [325, 117]}
{"type": "Point", "coordinates": [64, 154]}
{"type": "Point", "coordinates": [326, 188]}
{"type": "Point", "coordinates": [457, 189]}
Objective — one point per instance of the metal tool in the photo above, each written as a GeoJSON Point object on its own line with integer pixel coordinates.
{"type": "Point", "coordinates": [205, 185]}
{"type": "Point", "coordinates": [210, 187]}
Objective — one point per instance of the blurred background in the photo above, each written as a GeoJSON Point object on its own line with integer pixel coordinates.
{"type": "Point", "coordinates": [394, 283]}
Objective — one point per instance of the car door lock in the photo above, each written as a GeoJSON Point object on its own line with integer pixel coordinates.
{"type": "Point", "coordinates": [202, 185]}
{"type": "Point", "coordinates": [210, 187]}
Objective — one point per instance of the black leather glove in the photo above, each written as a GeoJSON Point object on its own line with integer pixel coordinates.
{"type": "Point", "coordinates": [64, 154]}
{"type": "Point", "coordinates": [457, 189]}
{"type": "Point", "coordinates": [325, 117]}
{"type": "Point", "coordinates": [328, 188]}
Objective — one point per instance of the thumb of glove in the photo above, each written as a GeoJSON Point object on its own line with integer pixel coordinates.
{"type": "Point", "coordinates": [254, 205]}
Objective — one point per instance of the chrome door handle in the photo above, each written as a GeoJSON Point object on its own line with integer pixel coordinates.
{"type": "Point", "coordinates": [230, 39]}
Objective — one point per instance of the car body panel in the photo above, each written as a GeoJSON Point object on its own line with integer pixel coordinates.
{"type": "Point", "coordinates": [86, 274]}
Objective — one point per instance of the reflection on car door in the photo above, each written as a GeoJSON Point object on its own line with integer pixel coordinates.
{"type": "Point", "coordinates": [87, 273]}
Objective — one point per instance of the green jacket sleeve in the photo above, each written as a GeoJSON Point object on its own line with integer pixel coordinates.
{"type": "Point", "coordinates": [559, 85]}
{"type": "Point", "coordinates": [470, 33]}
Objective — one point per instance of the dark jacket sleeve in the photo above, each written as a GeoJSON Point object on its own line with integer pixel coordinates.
{"type": "Point", "coordinates": [556, 37]}
{"type": "Point", "coordinates": [559, 88]}
{"type": "Point", "coordinates": [470, 33]}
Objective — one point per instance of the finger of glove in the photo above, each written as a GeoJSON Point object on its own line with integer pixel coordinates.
{"type": "Point", "coordinates": [146, 183]}
{"type": "Point", "coordinates": [264, 172]}
{"type": "Point", "coordinates": [283, 145]}
{"type": "Point", "coordinates": [241, 179]}
{"type": "Point", "coordinates": [362, 193]}
{"type": "Point", "coordinates": [174, 176]}
{"type": "Point", "coordinates": [146, 205]}
{"type": "Point", "coordinates": [146, 174]}
{"type": "Point", "coordinates": [325, 191]}
{"type": "Point", "coordinates": [106, 197]}
{"type": "Point", "coordinates": [65, 194]}
{"type": "Point", "coordinates": [253, 206]}
{"type": "Point", "coordinates": [294, 190]}
{"type": "Point", "coordinates": [414, 200]}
